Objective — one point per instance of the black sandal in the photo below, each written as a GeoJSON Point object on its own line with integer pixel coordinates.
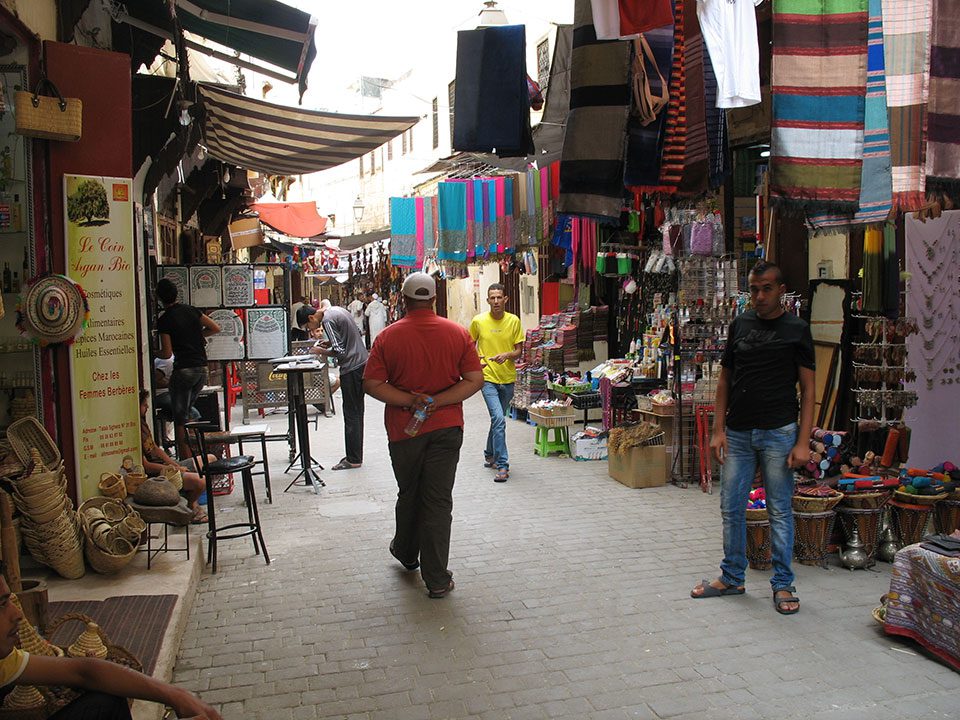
{"type": "Point", "coordinates": [779, 602]}
{"type": "Point", "coordinates": [344, 464]}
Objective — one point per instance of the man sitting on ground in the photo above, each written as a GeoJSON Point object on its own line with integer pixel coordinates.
{"type": "Point", "coordinates": [108, 685]}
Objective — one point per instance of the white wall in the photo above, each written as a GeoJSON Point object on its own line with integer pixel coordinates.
{"type": "Point", "coordinates": [38, 15]}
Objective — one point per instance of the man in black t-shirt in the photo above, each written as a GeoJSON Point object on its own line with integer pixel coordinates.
{"type": "Point", "coordinates": [183, 331]}
{"type": "Point", "coordinates": [768, 352]}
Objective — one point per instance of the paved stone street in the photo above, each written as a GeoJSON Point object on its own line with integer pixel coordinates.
{"type": "Point", "coordinates": [572, 601]}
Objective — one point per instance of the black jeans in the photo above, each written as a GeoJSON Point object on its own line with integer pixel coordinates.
{"type": "Point", "coordinates": [426, 467]}
{"type": "Point", "coordinates": [94, 706]}
{"type": "Point", "coordinates": [351, 386]}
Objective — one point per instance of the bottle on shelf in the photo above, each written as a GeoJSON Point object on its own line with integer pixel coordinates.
{"type": "Point", "coordinates": [7, 278]}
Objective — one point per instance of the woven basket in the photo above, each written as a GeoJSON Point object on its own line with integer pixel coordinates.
{"type": "Point", "coordinates": [112, 510]}
{"type": "Point", "coordinates": [133, 480]}
{"type": "Point", "coordinates": [113, 486]}
{"type": "Point", "coordinates": [48, 117]}
{"type": "Point", "coordinates": [110, 551]}
{"type": "Point", "coordinates": [172, 474]}
{"type": "Point", "coordinates": [551, 421]}
{"type": "Point", "coordinates": [865, 500]}
{"type": "Point", "coordinates": [911, 499]}
{"type": "Point", "coordinates": [812, 504]}
{"type": "Point", "coordinates": [880, 614]}
{"type": "Point", "coordinates": [27, 434]}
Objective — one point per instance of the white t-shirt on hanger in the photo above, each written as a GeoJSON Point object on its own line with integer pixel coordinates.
{"type": "Point", "coordinates": [730, 30]}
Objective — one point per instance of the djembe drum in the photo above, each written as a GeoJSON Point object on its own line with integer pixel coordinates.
{"type": "Point", "coordinates": [909, 521]}
{"type": "Point", "coordinates": [811, 532]}
{"type": "Point", "coordinates": [759, 552]}
{"type": "Point", "coordinates": [867, 522]}
{"type": "Point", "coordinates": [946, 516]}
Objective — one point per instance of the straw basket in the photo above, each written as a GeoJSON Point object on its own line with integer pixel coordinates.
{"type": "Point", "coordinates": [26, 435]}
{"type": "Point", "coordinates": [909, 521]}
{"type": "Point", "coordinates": [867, 521]}
{"type": "Point", "coordinates": [759, 553]}
{"type": "Point", "coordinates": [816, 504]}
{"type": "Point", "coordinates": [57, 544]}
{"type": "Point", "coordinates": [551, 421]}
{"type": "Point", "coordinates": [811, 533]}
{"type": "Point", "coordinates": [133, 480]}
{"type": "Point", "coordinates": [172, 474]}
{"type": "Point", "coordinates": [946, 516]}
{"type": "Point", "coordinates": [111, 542]}
{"type": "Point", "coordinates": [112, 486]}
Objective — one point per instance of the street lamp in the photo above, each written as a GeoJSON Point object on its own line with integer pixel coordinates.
{"type": "Point", "coordinates": [357, 212]}
{"type": "Point", "coordinates": [491, 15]}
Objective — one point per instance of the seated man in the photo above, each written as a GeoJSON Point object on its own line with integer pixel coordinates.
{"type": "Point", "coordinates": [108, 684]}
{"type": "Point", "coordinates": [155, 458]}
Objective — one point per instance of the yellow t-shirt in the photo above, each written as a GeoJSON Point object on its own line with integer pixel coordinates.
{"type": "Point", "coordinates": [12, 666]}
{"type": "Point", "coordinates": [493, 338]}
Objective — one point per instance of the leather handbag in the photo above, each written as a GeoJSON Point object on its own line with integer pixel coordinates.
{"type": "Point", "coordinates": [47, 115]}
{"type": "Point", "coordinates": [646, 105]}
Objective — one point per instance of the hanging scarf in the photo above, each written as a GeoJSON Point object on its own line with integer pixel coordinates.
{"type": "Point", "coordinates": [452, 202]}
{"type": "Point", "coordinates": [403, 231]}
{"type": "Point", "coordinates": [819, 80]}
{"type": "Point", "coordinates": [875, 183]}
{"type": "Point", "coordinates": [906, 49]}
{"type": "Point", "coordinates": [943, 120]}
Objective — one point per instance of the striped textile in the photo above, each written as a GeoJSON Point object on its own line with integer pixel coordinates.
{"type": "Point", "coordinates": [591, 170]}
{"type": "Point", "coordinates": [696, 153]}
{"type": "Point", "coordinates": [819, 82]}
{"type": "Point", "coordinates": [675, 127]}
{"type": "Point", "coordinates": [875, 181]}
{"type": "Point", "coordinates": [943, 120]}
{"type": "Point", "coordinates": [284, 141]}
{"type": "Point", "coordinates": [403, 231]}
{"type": "Point", "coordinates": [906, 49]}
{"type": "Point", "coordinates": [452, 220]}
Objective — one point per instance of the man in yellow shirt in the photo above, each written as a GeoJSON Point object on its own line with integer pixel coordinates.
{"type": "Point", "coordinates": [499, 339]}
{"type": "Point", "coordinates": [108, 685]}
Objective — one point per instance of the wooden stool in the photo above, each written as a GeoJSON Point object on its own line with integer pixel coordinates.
{"type": "Point", "coordinates": [544, 445]}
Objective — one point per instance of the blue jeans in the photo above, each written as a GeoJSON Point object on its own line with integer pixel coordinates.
{"type": "Point", "coordinates": [497, 397]}
{"type": "Point", "coordinates": [745, 449]}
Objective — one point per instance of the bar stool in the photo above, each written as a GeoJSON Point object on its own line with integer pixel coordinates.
{"type": "Point", "coordinates": [247, 433]}
{"type": "Point", "coordinates": [242, 464]}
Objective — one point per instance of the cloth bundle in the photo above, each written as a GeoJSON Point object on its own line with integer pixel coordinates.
{"type": "Point", "coordinates": [492, 102]}
{"type": "Point", "coordinates": [624, 19]}
{"type": "Point", "coordinates": [591, 170]}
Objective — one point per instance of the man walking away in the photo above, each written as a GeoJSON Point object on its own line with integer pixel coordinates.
{"type": "Point", "coordinates": [345, 344]}
{"type": "Point", "coordinates": [768, 351]}
{"type": "Point", "coordinates": [183, 331]}
{"type": "Point", "coordinates": [499, 340]}
{"type": "Point", "coordinates": [424, 363]}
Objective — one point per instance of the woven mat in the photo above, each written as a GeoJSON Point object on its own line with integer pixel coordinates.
{"type": "Point", "coordinates": [137, 623]}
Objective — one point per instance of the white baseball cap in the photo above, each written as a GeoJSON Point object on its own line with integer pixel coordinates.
{"type": "Point", "coordinates": [419, 286]}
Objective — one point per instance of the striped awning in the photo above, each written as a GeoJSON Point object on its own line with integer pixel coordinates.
{"type": "Point", "coordinates": [285, 141]}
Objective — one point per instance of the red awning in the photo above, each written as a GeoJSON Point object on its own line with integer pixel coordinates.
{"type": "Point", "coordinates": [294, 219]}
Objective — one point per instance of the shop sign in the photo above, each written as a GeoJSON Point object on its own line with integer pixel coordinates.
{"type": "Point", "coordinates": [104, 362]}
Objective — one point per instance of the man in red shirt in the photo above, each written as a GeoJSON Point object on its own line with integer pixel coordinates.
{"type": "Point", "coordinates": [424, 362]}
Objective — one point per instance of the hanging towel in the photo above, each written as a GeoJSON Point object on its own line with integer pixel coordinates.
{"type": "Point", "coordinates": [906, 50]}
{"type": "Point", "coordinates": [675, 127]}
{"type": "Point", "coordinates": [624, 19]}
{"type": "Point", "coordinates": [943, 121]}
{"type": "Point", "coordinates": [591, 173]}
{"type": "Point", "coordinates": [452, 201]}
{"type": "Point", "coordinates": [873, 269]}
{"type": "Point", "coordinates": [491, 102]}
{"type": "Point", "coordinates": [645, 142]}
{"type": "Point", "coordinates": [471, 225]}
{"type": "Point", "coordinates": [479, 216]}
{"type": "Point", "coordinates": [891, 272]}
{"type": "Point", "coordinates": [696, 155]}
{"type": "Point", "coordinates": [819, 80]}
{"type": "Point", "coordinates": [875, 183]}
{"type": "Point", "coordinates": [403, 231]}
{"type": "Point", "coordinates": [426, 227]}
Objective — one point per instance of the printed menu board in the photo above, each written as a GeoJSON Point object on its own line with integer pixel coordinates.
{"type": "Point", "coordinates": [205, 286]}
{"type": "Point", "coordinates": [237, 285]}
{"type": "Point", "coordinates": [228, 343]}
{"type": "Point", "coordinates": [266, 333]}
{"type": "Point", "coordinates": [179, 276]}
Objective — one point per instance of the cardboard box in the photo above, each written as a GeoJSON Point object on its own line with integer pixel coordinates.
{"type": "Point", "coordinates": [640, 467]}
{"type": "Point", "coordinates": [245, 233]}
{"type": "Point", "coordinates": [588, 448]}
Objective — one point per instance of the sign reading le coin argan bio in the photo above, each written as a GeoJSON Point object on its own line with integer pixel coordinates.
{"type": "Point", "coordinates": [104, 364]}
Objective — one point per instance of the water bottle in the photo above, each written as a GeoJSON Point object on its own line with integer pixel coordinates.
{"type": "Point", "coordinates": [417, 420]}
